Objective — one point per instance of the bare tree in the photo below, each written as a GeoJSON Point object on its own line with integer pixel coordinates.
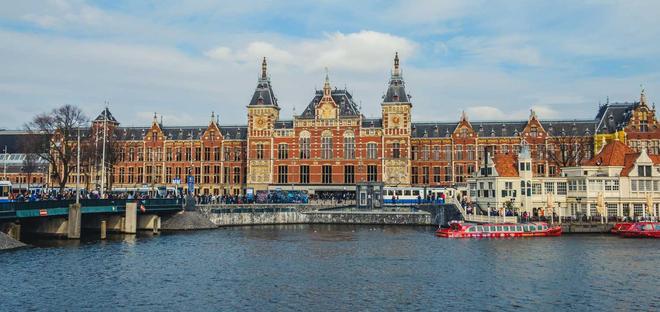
{"type": "Point", "coordinates": [569, 150]}
{"type": "Point", "coordinates": [29, 167]}
{"type": "Point", "coordinates": [54, 137]}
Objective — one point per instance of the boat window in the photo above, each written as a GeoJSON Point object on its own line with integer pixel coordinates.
{"type": "Point", "coordinates": [471, 229]}
{"type": "Point", "coordinates": [505, 228]}
{"type": "Point", "coordinates": [657, 227]}
{"type": "Point", "coordinates": [518, 228]}
{"type": "Point", "coordinates": [480, 229]}
{"type": "Point", "coordinates": [499, 228]}
{"type": "Point", "coordinates": [492, 229]}
{"type": "Point", "coordinates": [525, 228]}
{"type": "Point", "coordinates": [648, 227]}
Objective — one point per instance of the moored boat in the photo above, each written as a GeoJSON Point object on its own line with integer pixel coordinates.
{"type": "Point", "coordinates": [642, 230]}
{"type": "Point", "coordinates": [468, 230]}
{"type": "Point", "coordinates": [621, 226]}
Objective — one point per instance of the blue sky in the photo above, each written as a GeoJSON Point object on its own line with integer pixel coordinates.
{"type": "Point", "coordinates": [493, 59]}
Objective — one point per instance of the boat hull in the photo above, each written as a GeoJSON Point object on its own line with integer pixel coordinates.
{"type": "Point", "coordinates": [449, 233]}
{"type": "Point", "coordinates": [641, 230]}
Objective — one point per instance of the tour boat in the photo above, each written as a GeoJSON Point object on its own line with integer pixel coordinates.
{"type": "Point", "coordinates": [642, 230]}
{"type": "Point", "coordinates": [621, 226]}
{"type": "Point", "coordinates": [465, 230]}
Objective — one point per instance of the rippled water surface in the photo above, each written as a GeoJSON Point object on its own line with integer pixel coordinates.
{"type": "Point", "coordinates": [327, 268]}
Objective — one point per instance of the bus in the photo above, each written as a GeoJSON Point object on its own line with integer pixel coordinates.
{"type": "Point", "coordinates": [411, 195]}
{"type": "Point", "coordinates": [5, 191]}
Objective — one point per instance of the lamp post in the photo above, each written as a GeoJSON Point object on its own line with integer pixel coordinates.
{"type": "Point", "coordinates": [78, 168]}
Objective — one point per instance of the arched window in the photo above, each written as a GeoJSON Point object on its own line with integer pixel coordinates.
{"type": "Point", "coordinates": [304, 145]}
{"type": "Point", "coordinates": [326, 145]}
{"type": "Point", "coordinates": [349, 145]}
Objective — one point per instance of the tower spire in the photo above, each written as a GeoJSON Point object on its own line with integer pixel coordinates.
{"type": "Point", "coordinates": [326, 84]}
{"type": "Point", "coordinates": [264, 67]}
{"type": "Point", "coordinates": [396, 71]}
{"type": "Point", "coordinates": [212, 116]}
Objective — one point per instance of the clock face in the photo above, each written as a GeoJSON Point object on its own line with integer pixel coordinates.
{"type": "Point", "coordinates": [260, 123]}
{"type": "Point", "coordinates": [396, 121]}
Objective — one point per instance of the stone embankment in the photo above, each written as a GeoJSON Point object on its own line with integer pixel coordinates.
{"type": "Point", "coordinates": [187, 220]}
{"type": "Point", "coordinates": [6, 242]}
{"type": "Point", "coordinates": [289, 215]}
{"type": "Point", "coordinates": [577, 228]}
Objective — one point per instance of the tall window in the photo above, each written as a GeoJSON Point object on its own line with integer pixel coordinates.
{"type": "Point", "coordinates": [227, 153]}
{"type": "Point", "coordinates": [304, 174]}
{"type": "Point", "coordinates": [396, 150]}
{"type": "Point", "coordinates": [459, 152]}
{"type": "Point", "coordinates": [470, 152]}
{"type": "Point", "coordinates": [372, 150]}
{"type": "Point", "coordinates": [283, 151]}
{"type": "Point", "coordinates": [198, 153]}
{"type": "Point", "coordinates": [327, 174]}
{"type": "Point", "coordinates": [237, 175]}
{"type": "Point", "coordinates": [349, 174]}
{"type": "Point", "coordinates": [283, 174]}
{"type": "Point", "coordinates": [413, 151]}
{"type": "Point", "coordinates": [260, 151]}
{"type": "Point", "coordinates": [216, 153]}
{"type": "Point", "coordinates": [426, 152]}
{"type": "Point", "coordinates": [372, 173]}
{"type": "Point", "coordinates": [168, 151]}
{"type": "Point", "coordinates": [237, 153]}
{"type": "Point", "coordinates": [349, 145]}
{"type": "Point", "coordinates": [207, 153]}
{"type": "Point", "coordinates": [425, 175]}
{"type": "Point", "coordinates": [326, 145]}
{"type": "Point", "coordinates": [304, 145]}
{"type": "Point", "coordinates": [436, 175]}
{"type": "Point", "coordinates": [436, 152]}
{"type": "Point", "coordinates": [415, 177]}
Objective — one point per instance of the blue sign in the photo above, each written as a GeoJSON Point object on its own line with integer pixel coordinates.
{"type": "Point", "coordinates": [191, 184]}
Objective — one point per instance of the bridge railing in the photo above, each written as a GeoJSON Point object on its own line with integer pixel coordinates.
{"type": "Point", "coordinates": [158, 204]}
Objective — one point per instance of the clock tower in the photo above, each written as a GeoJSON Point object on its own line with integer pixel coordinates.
{"type": "Point", "coordinates": [263, 112]}
{"type": "Point", "coordinates": [396, 108]}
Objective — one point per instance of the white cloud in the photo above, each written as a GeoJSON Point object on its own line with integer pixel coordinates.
{"type": "Point", "coordinates": [512, 49]}
{"type": "Point", "coordinates": [363, 51]}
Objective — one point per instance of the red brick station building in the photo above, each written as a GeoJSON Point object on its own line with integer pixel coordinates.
{"type": "Point", "coordinates": [331, 146]}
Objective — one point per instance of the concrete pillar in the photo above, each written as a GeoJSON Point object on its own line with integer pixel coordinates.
{"type": "Point", "coordinates": [73, 224]}
{"type": "Point", "coordinates": [15, 231]}
{"type": "Point", "coordinates": [103, 229]}
{"type": "Point", "coordinates": [149, 222]}
{"type": "Point", "coordinates": [50, 226]}
{"type": "Point", "coordinates": [130, 221]}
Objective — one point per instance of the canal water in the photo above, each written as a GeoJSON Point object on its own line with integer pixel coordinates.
{"type": "Point", "coordinates": [330, 268]}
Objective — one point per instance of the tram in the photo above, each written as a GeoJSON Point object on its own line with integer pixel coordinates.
{"type": "Point", "coordinates": [5, 191]}
{"type": "Point", "coordinates": [413, 195]}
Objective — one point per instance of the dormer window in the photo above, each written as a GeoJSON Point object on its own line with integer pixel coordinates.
{"type": "Point", "coordinates": [644, 171]}
{"type": "Point", "coordinates": [643, 126]}
{"type": "Point", "coordinates": [533, 132]}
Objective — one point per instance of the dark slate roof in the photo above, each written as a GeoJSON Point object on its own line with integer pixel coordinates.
{"type": "Point", "coordinates": [263, 94]}
{"type": "Point", "coordinates": [433, 129]}
{"type": "Point", "coordinates": [181, 133]}
{"type": "Point", "coordinates": [396, 91]}
{"type": "Point", "coordinates": [372, 123]}
{"type": "Point", "coordinates": [503, 128]}
{"type": "Point", "coordinates": [108, 116]}
{"type": "Point", "coordinates": [569, 127]}
{"type": "Point", "coordinates": [14, 141]}
{"type": "Point", "coordinates": [343, 98]}
{"type": "Point", "coordinates": [284, 124]}
{"type": "Point", "coordinates": [614, 116]}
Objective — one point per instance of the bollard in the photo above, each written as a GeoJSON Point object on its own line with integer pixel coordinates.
{"type": "Point", "coordinates": [103, 229]}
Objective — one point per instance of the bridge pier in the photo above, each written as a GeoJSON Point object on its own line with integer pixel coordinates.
{"type": "Point", "coordinates": [74, 222]}
{"type": "Point", "coordinates": [130, 218]}
{"type": "Point", "coordinates": [14, 231]}
{"type": "Point", "coordinates": [149, 222]}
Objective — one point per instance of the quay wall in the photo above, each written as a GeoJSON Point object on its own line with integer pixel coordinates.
{"type": "Point", "coordinates": [257, 216]}
{"type": "Point", "coordinates": [577, 228]}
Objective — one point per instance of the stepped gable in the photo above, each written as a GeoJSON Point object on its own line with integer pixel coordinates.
{"type": "Point", "coordinates": [263, 94]}
{"type": "Point", "coordinates": [396, 91]}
